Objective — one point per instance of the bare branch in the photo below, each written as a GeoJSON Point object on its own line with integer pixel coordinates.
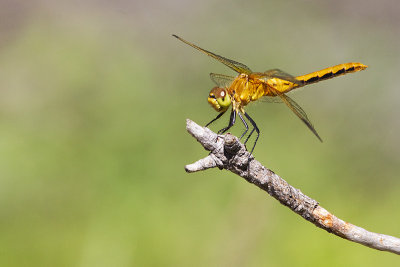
{"type": "Point", "coordinates": [228, 153]}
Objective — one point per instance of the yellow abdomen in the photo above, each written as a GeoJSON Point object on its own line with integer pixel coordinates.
{"type": "Point", "coordinates": [283, 86]}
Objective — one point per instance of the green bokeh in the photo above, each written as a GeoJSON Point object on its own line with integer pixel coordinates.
{"type": "Point", "coordinates": [93, 103]}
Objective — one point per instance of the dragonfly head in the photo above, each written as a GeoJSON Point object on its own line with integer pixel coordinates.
{"type": "Point", "coordinates": [219, 99]}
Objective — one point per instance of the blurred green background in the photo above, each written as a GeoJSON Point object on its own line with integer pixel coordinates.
{"type": "Point", "coordinates": [93, 101]}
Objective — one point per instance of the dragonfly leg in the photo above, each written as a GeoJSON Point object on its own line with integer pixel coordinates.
{"type": "Point", "coordinates": [245, 125]}
{"type": "Point", "coordinates": [251, 132]}
{"type": "Point", "coordinates": [232, 120]}
{"type": "Point", "coordinates": [255, 128]}
{"type": "Point", "coordinates": [216, 118]}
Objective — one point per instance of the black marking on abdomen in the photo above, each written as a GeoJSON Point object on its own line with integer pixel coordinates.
{"type": "Point", "coordinates": [313, 79]}
{"type": "Point", "coordinates": [327, 75]}
{"type": "Point", "coordinates": [341, 71]}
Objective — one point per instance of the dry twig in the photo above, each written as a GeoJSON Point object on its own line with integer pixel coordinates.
{"type": "Point", "coordinates": [228, 153]}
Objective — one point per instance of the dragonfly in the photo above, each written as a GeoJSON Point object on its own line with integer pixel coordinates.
{"type": "Point", "coordinates": [271, 85]}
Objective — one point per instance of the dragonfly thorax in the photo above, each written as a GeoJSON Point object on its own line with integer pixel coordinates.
{"type": "Point", "coordinates": [219, 99]}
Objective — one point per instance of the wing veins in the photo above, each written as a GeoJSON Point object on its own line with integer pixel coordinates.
{"type": "Point", "coordinates": [222, 80]}
{"type": "Point", "coordinates": [277, 73]}
{"type": "Point", "coordinates": [236, 66]}
{"type": "Point", "coordinates": [299, 113]}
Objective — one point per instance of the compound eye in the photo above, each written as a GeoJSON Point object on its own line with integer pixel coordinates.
{"type": "Point", "coordinates": [220, 93]}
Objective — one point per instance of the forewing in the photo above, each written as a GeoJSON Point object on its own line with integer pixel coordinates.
{"type": "Point", "coordinates": [223, 81]}
{"type": "Point", "coordinates": [236, 66]}
{"type": "Point", "coordinates": [277, 73]}
{"type": "Point", "coordinates": [299, 113]}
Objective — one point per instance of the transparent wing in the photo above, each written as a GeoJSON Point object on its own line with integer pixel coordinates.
{"type": "Point", "coordinates": [223, 81]}
{"type": "Point", "coordinates": [236, 66]}
{"type": "Point", "coordinates": [277, 73]}
{"type": "Point", "coordinates": [299, 113]}
{"type": "Point", "coordinates": [270, 99]}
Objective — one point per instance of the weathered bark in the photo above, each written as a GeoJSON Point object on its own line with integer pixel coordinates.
{"type": "Point", "coordinates": [228, 153]}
